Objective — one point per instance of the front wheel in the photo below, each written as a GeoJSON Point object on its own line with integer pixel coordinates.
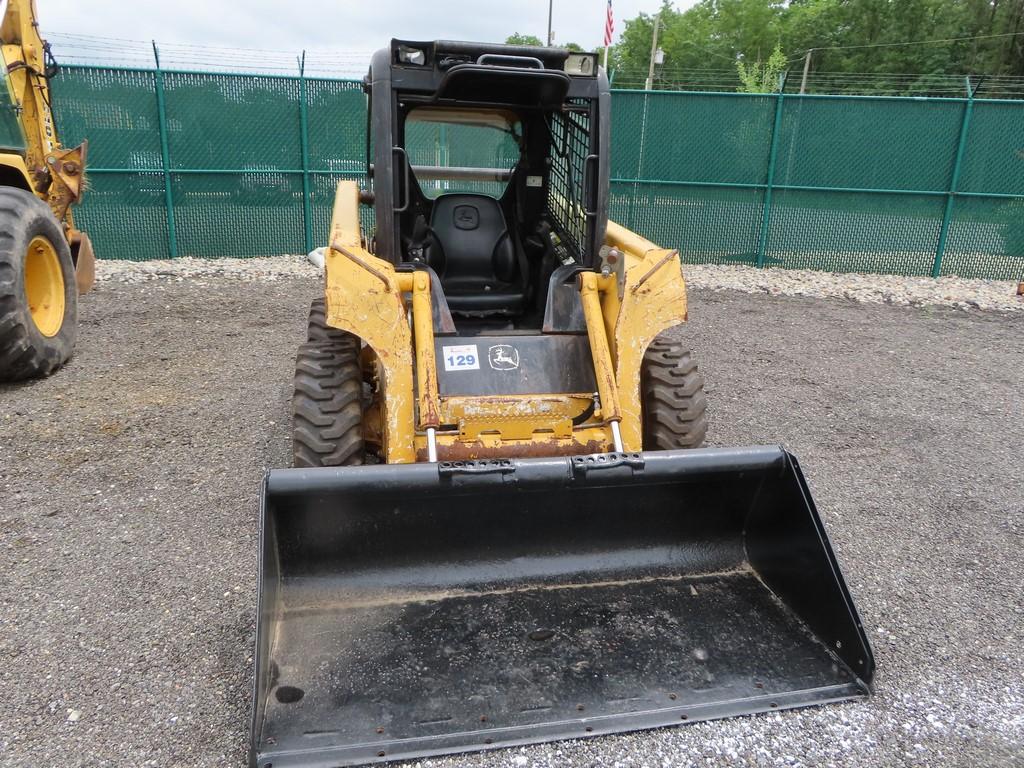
{"type": "Point", "coordinates": [317, 328]}
{"type": "Point", "coordinates": [672, 397]}
{"type": "Point", "coordinates": [38, 291]}
{"type": "Point", "coordinates": [327, 410]}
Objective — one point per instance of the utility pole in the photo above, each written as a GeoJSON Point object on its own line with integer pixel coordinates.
{"type": "Point", "coordinates": [551, 6]}
{"type": "Point", "coordinates": [807, 69]}
{"type": "Point", "coordinates": [649, 85]}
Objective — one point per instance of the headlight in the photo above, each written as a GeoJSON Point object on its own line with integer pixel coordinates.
{"type": "Point", "coordinates": [414, 56]}
{"type": "Point", "coordinates": [581, 64]}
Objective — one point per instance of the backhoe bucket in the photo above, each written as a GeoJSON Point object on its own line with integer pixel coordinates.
{"type": "Point", "coordinates": [422, 609]}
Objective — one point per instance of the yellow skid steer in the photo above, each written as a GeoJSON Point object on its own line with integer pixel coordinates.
{"type": "Point", "coordinates": [500, 527]}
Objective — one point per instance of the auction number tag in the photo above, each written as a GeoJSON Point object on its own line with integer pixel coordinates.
{"type": "Point", "coordinates": [462, 357]}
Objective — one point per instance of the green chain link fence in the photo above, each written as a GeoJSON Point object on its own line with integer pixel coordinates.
{"type": "Point", "coordinates": [213, 164]}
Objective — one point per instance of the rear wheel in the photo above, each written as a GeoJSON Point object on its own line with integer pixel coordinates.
{"type": "Point", "coordinates": [38, 293]}
{"type": "Point", "coordinates": [327, 413]}
{"type": "Point", "coordinates": [672, 397]}
{"type": "Point", "coordinates": [318, 329]}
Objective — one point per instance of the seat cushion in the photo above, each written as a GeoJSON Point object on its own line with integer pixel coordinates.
{"type": "Point", "coordinates": [474, 255]}
{"type": "Point", "coordinates": [507, 300]}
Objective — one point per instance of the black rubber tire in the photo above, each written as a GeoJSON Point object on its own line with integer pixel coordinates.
{"type": "Point", "coordinates": [672, 397]}
{"type": "Point", "coordinates": [317, 329]}
{"type": "Point", "coordinates": [327, 412]}
{"type": "Point", "coordinates": [24, 351]}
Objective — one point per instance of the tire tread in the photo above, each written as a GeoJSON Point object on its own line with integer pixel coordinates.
{"type": "Point", "coordinates": [672, 395]}
{"type": "Point", "coordinates": [24, 352]}
{"type": "Point", "coordinates": [327, 414]}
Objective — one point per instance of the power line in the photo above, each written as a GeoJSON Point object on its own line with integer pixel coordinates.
{"type": "Point", "coordinates": [910, 42]}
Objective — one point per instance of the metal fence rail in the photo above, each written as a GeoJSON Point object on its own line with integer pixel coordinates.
{"type": "Point", "coordinates": [215, 164]}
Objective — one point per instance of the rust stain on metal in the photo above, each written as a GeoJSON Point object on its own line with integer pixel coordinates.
{"type": "Point", "coordinates": [430, 416]}
{"type": "Point", "coordinates": [540, 408]}
{"type": "Point", "coordinates": [364, 264]}
{"type": "Point", "coordinates": [534, 449]}
{"type": "Point", "coordinates": [641, 316]}
{"type": "Point", "coordinates": [514, 407]}
{"type": "Point", "coordinates": [84, 258]}
{"type": "Point", "coordinates": [543, 400]}
{"type": "Point", "coordinates": [661, 263]}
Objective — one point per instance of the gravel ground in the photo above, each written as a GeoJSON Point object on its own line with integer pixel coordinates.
{"type": "Point", "coordinates": [128, 500]}
{"type": "Point", "coordinates": [957, 292]}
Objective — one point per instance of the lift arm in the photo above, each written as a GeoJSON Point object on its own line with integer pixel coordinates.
{"type": "Point", "coordinates": [55, 174]}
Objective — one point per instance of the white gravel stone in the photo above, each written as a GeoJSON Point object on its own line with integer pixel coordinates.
{"type": "Point", "coordinates": [256, 269]}
{"type": "Point", "coordinates": [958, 292]}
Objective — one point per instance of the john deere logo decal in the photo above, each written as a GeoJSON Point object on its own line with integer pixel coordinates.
{"type": "Point", "coordinates": [503, 357]}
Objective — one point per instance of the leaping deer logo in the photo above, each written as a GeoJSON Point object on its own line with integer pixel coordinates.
{"type": "Point", "coordinates": [503, 357]}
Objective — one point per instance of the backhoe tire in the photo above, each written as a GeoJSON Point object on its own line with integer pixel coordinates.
{"type": "Point", "coordinates": [318, 329]}
{"type": "Point", "coordinates": [38, 292]}
{"type": "Point", "coordinates": [327, 412]}
{"type": "Point", "coordinates": [672, 397]}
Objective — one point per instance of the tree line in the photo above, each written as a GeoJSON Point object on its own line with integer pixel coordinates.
{"type": "Point", "coordinates": [913, 46]}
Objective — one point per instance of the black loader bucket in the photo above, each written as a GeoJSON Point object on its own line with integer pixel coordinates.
{"type": "Point", "coordinates": [414, 610]}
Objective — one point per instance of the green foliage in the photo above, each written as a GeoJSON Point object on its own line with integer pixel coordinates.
{"type": "Point", "coordinates": [517, 39]}
{"type": "Point", "coordinates": [762, 78]}
{"type": "Point", "coordinates": [851, 37]}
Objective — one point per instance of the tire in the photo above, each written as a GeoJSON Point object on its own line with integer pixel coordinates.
{"type": "Point", "coordinates": [318, 329]}
{"type": "Point", "coordinates": [672, 397]}
{"type": "Point", "coordinates": [38, 292]}
{"type": "Point", "coordinates": [327, 412]}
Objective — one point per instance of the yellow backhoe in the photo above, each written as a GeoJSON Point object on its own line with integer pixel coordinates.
{"type": "Point", "coordinates": [500, 527]}
{"type": "Point", "coordinates": [45, 262]}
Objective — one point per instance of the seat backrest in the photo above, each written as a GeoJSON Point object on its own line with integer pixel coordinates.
{"type": "Point", "coordinates": [473, 238]}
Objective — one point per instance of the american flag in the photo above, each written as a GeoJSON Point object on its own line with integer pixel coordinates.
{"type": "Point", "coordinates": [609, 26]}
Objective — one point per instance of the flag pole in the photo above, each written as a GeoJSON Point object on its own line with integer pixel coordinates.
{"type": "Point", "coordinates": [609, 31]}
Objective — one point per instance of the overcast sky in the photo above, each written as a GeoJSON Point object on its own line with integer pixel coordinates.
{"type": "Point", "coordinates": [345, 25]}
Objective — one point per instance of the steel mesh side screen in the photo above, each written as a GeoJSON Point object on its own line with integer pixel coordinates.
{"type": "Point", "coordinates": [570, 145]}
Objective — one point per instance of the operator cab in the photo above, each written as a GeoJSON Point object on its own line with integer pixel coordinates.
{"type": "Point", "coordinates": [490, 171]}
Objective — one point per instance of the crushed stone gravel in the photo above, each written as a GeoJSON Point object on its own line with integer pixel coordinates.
{"type": "Point", "coordinates": [129, 485]}
{"type": "Point", "coordinates": [957, 292]}
{"type": "Point", "coordinates": [256, 269]}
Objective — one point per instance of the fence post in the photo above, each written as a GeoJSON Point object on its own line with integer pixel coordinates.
{"type": "Point", "coordinates": [165, 152]}
{"type": "Point", "coordinates": [773, 151]}
{"type": "Point", "coordinates": [307, 203]}
{"type": "Point", "coordinates": [954, 180]}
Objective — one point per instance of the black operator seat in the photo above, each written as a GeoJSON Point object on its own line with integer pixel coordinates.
{"type": "Point", "coordinates": [474, 254]}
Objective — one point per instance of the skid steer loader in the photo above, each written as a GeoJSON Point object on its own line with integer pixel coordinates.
{"type": "Point", "coordinates": [500, 527]}
{"type": "Point", "coordinates": [45, 261]}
